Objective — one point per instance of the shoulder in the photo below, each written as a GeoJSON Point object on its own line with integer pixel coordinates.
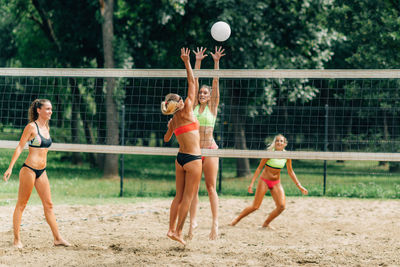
{"type": "Point", "coordinates": [30, 127]}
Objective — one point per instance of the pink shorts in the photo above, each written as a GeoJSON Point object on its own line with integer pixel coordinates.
{"type": "Point", "coordinates": [214, 146]}
{"type": "Point", "coordinates": [270, 183]}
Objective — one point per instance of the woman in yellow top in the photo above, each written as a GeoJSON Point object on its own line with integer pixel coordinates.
{"type": "Point", "coordinates": [33, 172]}
{"type": "Point", "coordinates": [270, 179]}
{"type": "Point", "coordinates": [206, 109]}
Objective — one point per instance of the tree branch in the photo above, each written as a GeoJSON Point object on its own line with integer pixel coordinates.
{"type": "Point", "coordinates": [45, 24]}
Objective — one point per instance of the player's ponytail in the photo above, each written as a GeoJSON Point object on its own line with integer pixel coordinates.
{"type": "Point", "coordinates": [171, 104]}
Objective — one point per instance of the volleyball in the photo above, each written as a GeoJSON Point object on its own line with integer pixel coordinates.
{"type": "Point", "coordinates": [220, 31]}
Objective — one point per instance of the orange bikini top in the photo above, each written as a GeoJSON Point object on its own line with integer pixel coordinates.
{"type": "Point", "coordinates": [186, 128]}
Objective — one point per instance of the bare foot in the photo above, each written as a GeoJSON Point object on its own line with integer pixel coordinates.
{"type": "Point", "coordinates": [233, 223]}
{"type": "Point", "coordinates": [17, 244]}
{"type": "Point", "coordinates": [178, 238]}
{"type": "Point", "coordinates": [214, 232]}
{"type": "Point", "coordinates": [189, 236]}
{"type": "Point", "coordinates": [62, 243]}
{"type": "Point", "coordinates": [170, 234]}
{"type": "Point", "coordinates": [192, 227]}
{"type": "Point", "coordinates": [268, 227]}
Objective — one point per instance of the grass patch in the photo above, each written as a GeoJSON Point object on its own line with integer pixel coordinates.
{"type": "Point", "coordinates": [154, 176]}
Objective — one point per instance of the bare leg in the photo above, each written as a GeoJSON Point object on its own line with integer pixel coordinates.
{"type": "Point", "coordinates": [210, 169]}
{"type": "Point", "coordinates": [193, 214]}
{"type": "Point", "coordinates": [192, 180]}
{"type": "Point", "coordinates": [43, 188]}
{"type": "Point", "coordinates": [26, 184]}
{"type": "Point", "coordinates": [278, 194]}
{"type": "Point", "coordinates": [258, 198]}
{"type": "Point", "coordinates": [180, 185]}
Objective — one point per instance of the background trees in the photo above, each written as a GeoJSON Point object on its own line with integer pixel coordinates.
{"type": "Point", "coordinates": [148, 34]}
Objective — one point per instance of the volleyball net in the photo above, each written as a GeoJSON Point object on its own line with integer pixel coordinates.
{"type": "Point", "coordinates": [324, 114]}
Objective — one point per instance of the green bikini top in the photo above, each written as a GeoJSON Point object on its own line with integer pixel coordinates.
{"type": "Point", "coordinates": [206, 118]}
{"type": "Point", "coordinates": [276, 163]}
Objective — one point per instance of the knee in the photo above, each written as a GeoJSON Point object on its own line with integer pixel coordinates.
{"type": "Point", "coordinates": [210, 188]}
{"type": "Point", "coordinates": [255, 207]}
{"type": "Point", "coordinates": [48, 205]}
{"type": "Point", "coordinates": [21, 206]}
{"type": "Point", "coordinates": [280, 207]}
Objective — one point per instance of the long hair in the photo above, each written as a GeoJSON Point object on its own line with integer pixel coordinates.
{"type": "Point", "coordinates": [271, 146]}
{"type": "Point", "coordinates": [33, 115]}
{"type": "Point", "coordinates": [170, 105]}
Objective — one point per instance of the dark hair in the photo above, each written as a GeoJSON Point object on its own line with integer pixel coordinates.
{"type": "Point", "coordinates": [32, 112]}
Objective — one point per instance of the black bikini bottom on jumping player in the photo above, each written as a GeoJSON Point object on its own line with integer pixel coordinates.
{"type": "Point", "coordinates": [184, 158]}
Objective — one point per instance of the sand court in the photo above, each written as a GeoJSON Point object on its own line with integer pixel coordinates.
{"type": "Point", "coordinates": [310, 232]}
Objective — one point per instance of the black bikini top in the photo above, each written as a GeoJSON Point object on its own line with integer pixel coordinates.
{"type": "Point", "coordinates": [39, 141]}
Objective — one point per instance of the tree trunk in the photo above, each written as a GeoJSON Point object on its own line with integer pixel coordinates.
{"type": "Point", "coordinates": [81, 105]}
{"type": "Point", "coordinates": [111, 160]}
{"type": "Point", "coordinates": [100, 117]}
{"type": "Point", "coordinates": [76, 156]}
{"type": "Point", "coordinates": [242, 164]}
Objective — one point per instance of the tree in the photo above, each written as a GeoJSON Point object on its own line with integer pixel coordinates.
{"type": "Point", "coordinates": [371, 42]}
{"type": "Point", "coordinates": [265, 34]}
{"type": "Point", "coordinates": [111, 160]}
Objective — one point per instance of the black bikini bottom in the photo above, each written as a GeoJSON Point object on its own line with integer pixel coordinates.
{"type": "Point", "coordinates": [184, 158]}
{"type": "Point", "coordinates": [37, 172]}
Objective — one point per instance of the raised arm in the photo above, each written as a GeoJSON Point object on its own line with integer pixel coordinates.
{"type": "Point", "coordinates": [29, 129]}
{"type": "Point", "coordinates": [190, 77]}
{"type": "Point", "coordinates": [219, 52]}
{"type": "Point", "coordinates": [199, 57]}
{"type": "Point", "coordinates": [256, 173]}
{"type": "Point", "coordinates": [170, 131]}
{"type": "Point", "coordinates": [294, 178]}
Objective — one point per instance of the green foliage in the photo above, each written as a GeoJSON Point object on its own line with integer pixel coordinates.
{"type": "Point", "coordinates": [371, 30]}
{"type": "Point", "coordinates": [154, 176]}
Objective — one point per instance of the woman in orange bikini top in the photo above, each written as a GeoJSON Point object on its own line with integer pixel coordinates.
{"type": "Point", "coordinates": [188, 161]}
{"type": "Point", "coordinates": [270, 180]}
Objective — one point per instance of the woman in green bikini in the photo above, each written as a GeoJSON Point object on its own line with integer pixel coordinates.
{"type": "Point", "coordinates": [270, 179]}
{"type": "Point", "coordinates": [206, 109]}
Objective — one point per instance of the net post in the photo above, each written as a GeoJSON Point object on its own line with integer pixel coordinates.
{"type": "Point", "coordinates": [122, 170]}
{"type": "Point", "coordinates": [325, 144]}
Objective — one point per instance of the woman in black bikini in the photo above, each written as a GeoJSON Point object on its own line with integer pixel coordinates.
{"type": "Point", "coordinates": [33, 172]}
{"type": "Point", "coordinates": [188, 161]}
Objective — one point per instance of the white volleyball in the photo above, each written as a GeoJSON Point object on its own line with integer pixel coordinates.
{"type": "Point", "coordinates": [220, 31]}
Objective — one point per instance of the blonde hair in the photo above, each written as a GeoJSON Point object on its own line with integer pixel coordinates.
{"type": "Point", "coordinates": [170, 105]}
{"type": "Point", "coordinates": [33, 115]}
{"type": "Point", "coordinates": [271, 146]}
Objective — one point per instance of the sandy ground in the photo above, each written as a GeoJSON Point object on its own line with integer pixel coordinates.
{"type": "Point", "coordinates": [310, 232]}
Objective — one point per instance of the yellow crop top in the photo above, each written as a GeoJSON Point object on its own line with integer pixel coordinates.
{"type": "Point", "coordinates": [276, 163]}
{"type": "Point", "coordinates": [206, 118]}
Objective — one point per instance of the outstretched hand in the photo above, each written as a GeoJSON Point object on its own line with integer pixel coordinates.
{"type": "Point", "coordinates": [219, 52]}
{"type": "Point", "coordinates": [185, 54]}
{"type": "Point", "coordinates": [200, 53]}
